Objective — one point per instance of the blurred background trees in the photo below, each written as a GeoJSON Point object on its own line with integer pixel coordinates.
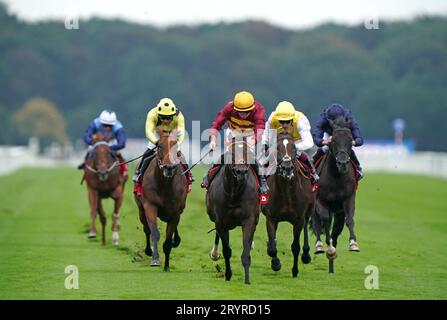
{"type": "Point", "coordinates": [397, 71]}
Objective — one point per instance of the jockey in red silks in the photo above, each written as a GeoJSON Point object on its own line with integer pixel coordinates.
{"type": "Point", "coordinates": [244, 117]}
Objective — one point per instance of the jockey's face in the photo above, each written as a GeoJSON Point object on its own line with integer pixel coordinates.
{"type": "Point", "coordinates": [243, 114]}
{"type": "Point", "coordinates": [107, 127]}
{"type": "Point", "coordinates": [165, 119]}
{"type": "Point", "coordinates": [286, 124]}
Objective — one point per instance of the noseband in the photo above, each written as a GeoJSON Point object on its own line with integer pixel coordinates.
{"type": "Point", "coordinates": [103, 176]}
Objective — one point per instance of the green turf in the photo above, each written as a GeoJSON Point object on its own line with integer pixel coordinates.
{"type": "Point", "coordinates": [401, 224]}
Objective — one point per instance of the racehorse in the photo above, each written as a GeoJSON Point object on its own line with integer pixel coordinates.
{"type": "Point", "coordinates": [163, 196]}
{"type": "Point", "coordinates": [231, 201]}
{"type": "Point", "coordinates": [336, 192]}
{"type": "Point", "coordinates": [102, 174]}
{"type": "Point", "coordinates": [291, 199]}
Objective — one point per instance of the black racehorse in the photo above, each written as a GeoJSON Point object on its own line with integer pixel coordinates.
{"type": "Point", "coordinates": [291, 199]}
{"type": "Point", "coordinates": [336, 192]}
{"type": "Point", "coordinates": [232, 200]}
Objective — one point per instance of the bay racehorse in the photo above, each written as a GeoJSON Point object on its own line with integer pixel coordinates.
{"type": "Point", "coordinates": [336, 192]}
{"type": "Point", "coordinates": [291, 200]}
{"type": "Point", "coordinates": [163, 196]}
{"type": "Point", "coordinates": [102, 173]}
{"type": "Point", "coordinates": [232, 200]}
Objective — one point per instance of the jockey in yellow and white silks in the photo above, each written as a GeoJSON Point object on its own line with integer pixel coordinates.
{"type": "Point", "coordinates": [286, 118]}
{"type": "Point", "coordinates": [166, 117]}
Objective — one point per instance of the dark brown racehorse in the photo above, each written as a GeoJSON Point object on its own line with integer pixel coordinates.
{"type": "Point", "coordinates": [232, 200]}
{"type": "Point", "coordinates": [291, 200]}
{"type": "Point", "coordinates": [336, 191]}
{"type": "Point", "coordinates": [103, 178]}
{"type": "Point", "coordinates": [164, 196]}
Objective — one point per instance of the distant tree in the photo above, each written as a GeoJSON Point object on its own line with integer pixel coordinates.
{"type": "Point", "coordinates": [40, 118]}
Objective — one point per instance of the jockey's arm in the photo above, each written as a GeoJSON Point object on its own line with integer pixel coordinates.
{"type": "Point", "coordinates": [91, 130]}
{"type": "Point", "coordinates": [356, 134]}
{"type": "Point", "coordinates": [259, 124]}
{"type": "Point", "coordinates": [151, 122]}
{"type": "Point", "coordinates": [222, 117]}
{"type": "Point", "coordinates": [180, 128]}
{"type": "Point", "coordinates": [319, 131]}
{"type": "Point", "coordinates": [265, 134]}
{"type": "Point", "coordinates": [306, 141]}
{"type": "Point", "coordinates": [120, 136]}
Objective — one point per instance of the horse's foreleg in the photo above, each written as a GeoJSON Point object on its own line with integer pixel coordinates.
{"type": "Point", "coordinates": [349, 209]}
{"type": "Point", "coordinates": [147, 231]}
{"type": "Point", "coordinates": [305, 257]}
{"type": "Point", "coordinates": [167, 245]}
{"type": "Point", "coordinates": [176, 241]}
{"type": "Point", "coordinates": [214, 254]}
{"type": "Point", "coordinates": [337, 228]}
{"type": "Point", "coordinates": [271, 244]}
{"type": "Point", "coordinates": [151, 217]}
{"type": "Point", "coordinates": [102, 217]}
{"type": "Point", "coordinates": [225, 236]}
{"type": "Point", "coordinates": [248, 230]}
{"type": "Point", "coordinates": [296, 246]}
{"type": "Point", "coordinates": [93, 203]}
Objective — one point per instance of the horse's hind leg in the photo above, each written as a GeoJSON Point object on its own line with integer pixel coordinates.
{"type": "Point", "coordinates": [177, 239]}
{"type": "Point", "coordinates": [167, 244]}
{"type": "Point", "coordinates": [316, 226]}
{"type": "Point", "coordinates": [225, 236]}
{"type": "Point", "coordinates": [102, 218]}
{"type": "Point", "coordinates": [271, 244]}
{"type": "Point", "coordinates": [146, 229]}
{"type": "Point", "coordinates": [248, 230]}
{"type": "Point", "coordinates": [115, 218]}
{"type": "Point", "coordinates": [214, 254]}
{"type": "Point", "coordinates": [296, 246]}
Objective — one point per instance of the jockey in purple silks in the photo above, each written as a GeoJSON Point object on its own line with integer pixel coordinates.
{"type": "Point", "coordinates": [322, 134]}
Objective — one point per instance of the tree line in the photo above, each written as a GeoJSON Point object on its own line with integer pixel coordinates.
{"type": "Point", "coordinates": [396, 71]}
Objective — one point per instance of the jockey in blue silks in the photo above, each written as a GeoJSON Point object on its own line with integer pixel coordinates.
{"type": "Point", "coordinates": [322, 134]}
{"type": "Point", "coordinates": [107, 125]}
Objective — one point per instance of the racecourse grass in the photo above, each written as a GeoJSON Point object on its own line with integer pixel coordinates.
{"type": "Point", "coordinates": [401, 224]}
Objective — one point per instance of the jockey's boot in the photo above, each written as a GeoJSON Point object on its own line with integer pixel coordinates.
{"type": "Point", "coordinates": [305, 158]}
{"type": "Point", "coordinates": [354, 158]}
{"type": "Point", "coordinates": [208, 177]}
{"type": "Point", "coordinates": [144, 163]}
{"type": "Point", "coordinates": [123, 166]}
{"type": "Point", "coordinates": [318, 155]}
{"type": "Point", "coordinates": [82, 165]}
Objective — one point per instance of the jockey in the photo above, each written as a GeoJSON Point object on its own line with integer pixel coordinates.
{"type": "Point", "coordinates": [112, 129]}
{"type": "Point", "coordinates": [167, 117]}
{"type": "Point", "coordinates": [286, 118]}
{"type": "Point", "coordinates": [244, 117]}
{"type": "Point", "coordinates": [323, 133]}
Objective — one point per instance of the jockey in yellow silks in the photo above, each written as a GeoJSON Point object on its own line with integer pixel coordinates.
{"type": "Point", "coordinates": [166, 117]}
{"type": "Point", "coordinates": [286, 118]}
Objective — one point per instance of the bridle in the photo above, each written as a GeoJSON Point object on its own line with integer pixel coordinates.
{"type": "Point", "coordinates": [103, 176]}
{"type": "Point", "coordinates": [338, 153]}
{"type": "Point", "coordinates": [286, 158]}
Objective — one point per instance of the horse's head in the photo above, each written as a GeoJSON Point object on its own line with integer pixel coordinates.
{"type": "Point", "coordinates": [239, 159]}
{"type": "Point", "coordinates": [341, 144]}
{"type": "Point", "coordinates": [286, 151]}
{"type": "Point", "coordinates": [167, 158]}
{"type": "Point", "coordinates": [102, 160]}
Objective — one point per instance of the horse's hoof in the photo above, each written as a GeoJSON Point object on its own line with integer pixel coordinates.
{"type": "Point", "coordinates": [319, 247]}
{"type": "Point", "coordinates": [228, 276]}
{"type": "Point", "coordinates": [166, 269]}
{"type": "Point", "coordinates": [294, 274]}
{"type": "Point", "coordinates": [331, 253]}
{"type": "Point", "coordinates": [214, 255]}
{"type": "Point", "coordinates": [247, 282]}
{"type": "Point", "coordinates": [353, 246]}
{"type": "Point", "coordinates": [276, 264]}
{"type": "Point", "coordinates": [115, 238]}
{"type": "Point", "coordinates": [92, 234]}
{"type": "Point", "coordinates": [155, 263]}
{"type": "Point", "coordinates": [306, 258]}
